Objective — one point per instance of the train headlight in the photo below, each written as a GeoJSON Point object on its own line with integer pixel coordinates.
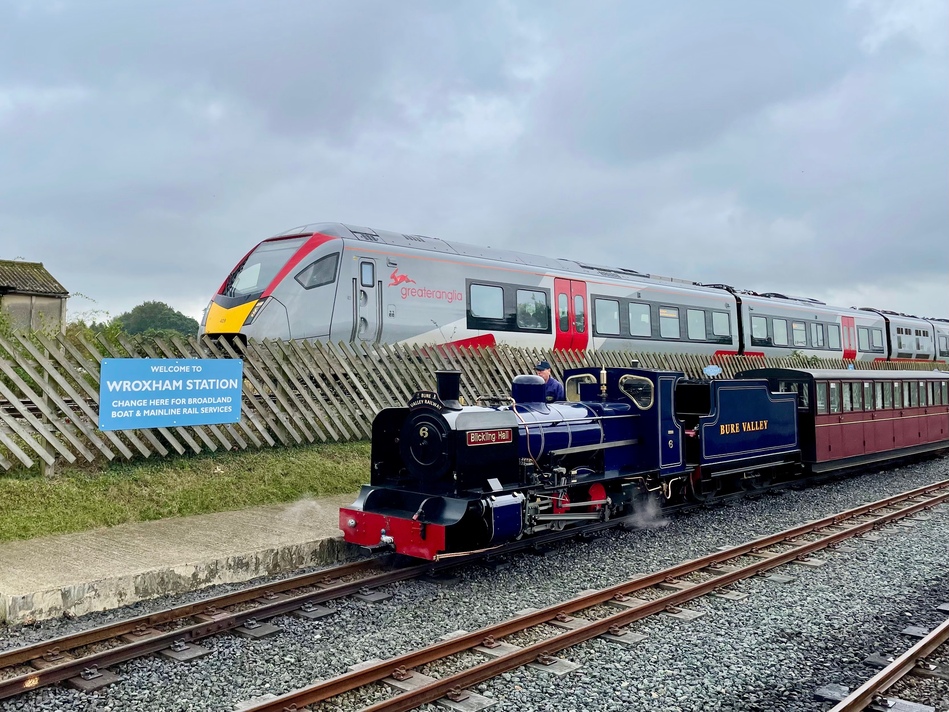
{"type": "Point", "coordinates": [255, 311]}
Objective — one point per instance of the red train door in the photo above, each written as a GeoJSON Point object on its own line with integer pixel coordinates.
{"type": "Point", "coordinates": [571, 328]}
{"type": "Point", "coordinates": [849, 337]}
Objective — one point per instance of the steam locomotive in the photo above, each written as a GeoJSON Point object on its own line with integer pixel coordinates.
{"type": "Point", "coordinates": [448, 479]}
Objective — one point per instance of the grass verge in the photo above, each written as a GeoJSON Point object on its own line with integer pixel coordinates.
{"type": "Point", "coordinates": [78, 499]}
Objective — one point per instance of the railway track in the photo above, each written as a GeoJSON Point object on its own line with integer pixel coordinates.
{"type": "Point", "coordinates": [606, 611]}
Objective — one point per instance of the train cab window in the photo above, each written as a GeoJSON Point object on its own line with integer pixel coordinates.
{"type": "Point", "coordinates": [897, 395]}
{"type": "Point", "coordinates": [759, 331]}
{"type": "Point", "coordinates": [639, 320]}
{"type": "Point", "coordinates": [532, 310]}
{"type": "Point", "coordinates": [863, 338]}
{"type": "Point", "coordinates": [639, 390]}
{"type": "Point", "coordinates": [486, 302]}
{"type": "Point", "coordinates": [563, 316]}
{"type": "Point", "coordinates": [780, 331]}
{"type": "Point", "coordinates": [822, 405]}
{"type": "Point", "coordinates": [876, 339]}
{"type": "Point", "coordinates": [834, 397]}
{"type": "Point", "coordinates": [367, 274]}
{"type": "Point", "coordinates": [260, 267]}
{"type": "Point", "coordinates": [318, 273]}
{"type": "Point", "coordinates": [669, 322]}
{"type": "Point", "coordinates": [817, 336]}
{"type": "Point", "coordinates": [833, 336]}
{"type": "Point", "coordinates": [606, 317]}
{"type": "Point", "coordinates": [888, 394]}
{"type": "Point", "coordinates": [878, 396]}
{"type": "Point", "coordinates": [696, 324]}
{"type": "Point", "coordinates": [572, 385]}
{"type": "Point", "coordinates": [857, 396]}
{"type": "Point", "coordinates": [579, 314]}
{"type": "Point", "coordinates": [799, 333]}
{"type": "Point", "coordinates": [848, 404]}
{"type": "Point", "coordinates": [721, 325]}
{"type": "Point", "coordinates": [868, 396]}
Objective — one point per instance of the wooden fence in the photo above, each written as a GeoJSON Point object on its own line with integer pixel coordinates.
{"type": "Point", "coordinates": [294, 392]}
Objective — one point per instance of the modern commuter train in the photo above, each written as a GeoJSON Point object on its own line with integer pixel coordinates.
{"type": "Point", "coordinates": [337, 282]}
{"type": "Point", "coordinates": [450, 479]}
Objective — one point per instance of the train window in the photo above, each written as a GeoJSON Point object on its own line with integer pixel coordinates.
{"type": "Point", "coordinates": [863, 338]}
{"type": "Point", "coordinates": [848, 404]}
{"type": "Point", "coordinates": [913, 392]}
{"type": "Point", "coordinates": [922, 394]}
{"type": "Point", "coordinates": [857, 396]}
{"type": "Point", "coordinates": [878, 395]}
{"type": "Point", "coordinates": [888, 394]}
{"type": "Point", "coordinates": [486, 302]}
{"type": "Point", "coordinates": [834, 397]}
{"type": "Point", "coordinates": [669, 322]}
{"type": "Point", "coordinates": [639, 321]}
{"type": "Point", "coordinates": [833, 336]}
{"type": "Point", "coordinates": [930, 400]}
{"type": "Point", "coordinates": [897, 395]}
{"type": "Point", "coordinates": [261, 266]}
{"type": "Point", "coordinates": [780, 330]}
{"type": "Point", "coordinates": [606, 316]}
{"type": "Point", "coordinates": [944, 345]}
{"type": "Point", "coordinates": [876, 339]}
{"type": "Point", "coordinates": [821, 398]}
{"type": "Point", "coordinates": [759, 331]}
{"type": "Point", "coordinates": [868, 396]}
{"type": "Point", "coordinates": [639, 390]}
{"type": "Point", "coordinates": [695, 319]}
{"type": "Point", "coordinates": [367, 274]}
{"type": "Point", "coordinates": [817, 336]}
{"type": "Point", "coordinates": [799, 333]}
{"type": "Point", "coordinates": [579, 314]}
{"type": "Point", "coordinates": [945, 392]}
{"type": "Point", "coordinates": [721, 324]}
{"type": "Point", "coordinates": [532, 310]}
{"type": "Point", "coordinates": [572, 385]}
{"type": "Point", "coordinates": [563, 317]}
{"type": "Point", "coordinates": [318, 273]}
{"type": "Point", "coordinates": [937, 394]}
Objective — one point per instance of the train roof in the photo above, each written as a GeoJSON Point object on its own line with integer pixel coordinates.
{"type": "Point", "coordinates": [831, 374]}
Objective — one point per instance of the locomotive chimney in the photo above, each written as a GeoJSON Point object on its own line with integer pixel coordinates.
{"type": "Point", "coordinates": [449, 388]}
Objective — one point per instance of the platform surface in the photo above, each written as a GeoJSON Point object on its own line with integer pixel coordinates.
{"type": "Point", "coordinates": [111, 567]}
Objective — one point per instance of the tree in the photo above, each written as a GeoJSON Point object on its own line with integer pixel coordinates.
{"type": "Point", "coordinates": [156, 316]}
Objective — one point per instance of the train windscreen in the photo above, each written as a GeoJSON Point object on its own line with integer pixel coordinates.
{"type": "Point", "coordinates": [256, 272]}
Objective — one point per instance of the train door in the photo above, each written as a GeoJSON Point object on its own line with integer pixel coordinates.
{"type": "Point", "coordinates": [367, 302]}
{"type": "Point", "coordinates": [571, 329]}
{"type": "Point", "coordinates": [848, 336]}
{"type": "Point", "coordinates": [670, 429]}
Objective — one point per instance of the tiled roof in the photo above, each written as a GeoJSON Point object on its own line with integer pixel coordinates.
{"type": "Point", "coordinates": [28, 278]}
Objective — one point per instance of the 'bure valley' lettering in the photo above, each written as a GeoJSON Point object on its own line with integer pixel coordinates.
{"type": "Point", "coordinates": [745, 427]}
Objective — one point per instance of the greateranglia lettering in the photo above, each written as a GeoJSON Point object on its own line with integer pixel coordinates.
{"type": "Point", "coordinates": [445, 295]}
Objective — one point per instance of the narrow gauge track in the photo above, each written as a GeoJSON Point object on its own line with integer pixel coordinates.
{"type": "Point", "coordinates": [605, 611]}
{"type": "Point", "coordinates": [910, 662]}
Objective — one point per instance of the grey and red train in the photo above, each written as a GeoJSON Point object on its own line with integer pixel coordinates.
{"type": "Point", "coordinates": [345, 283]}
{"type": "Point", "coordinates": [448, 479]}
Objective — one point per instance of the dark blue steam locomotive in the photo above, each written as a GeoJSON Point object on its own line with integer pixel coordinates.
{"type": "Point", "coordinates": [448, 478]}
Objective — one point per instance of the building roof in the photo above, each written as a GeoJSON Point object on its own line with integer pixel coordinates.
{"type": "Point", "coordinates": [18, 277]}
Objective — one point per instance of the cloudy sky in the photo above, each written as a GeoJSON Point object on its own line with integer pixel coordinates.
{"type": "Point", "coordinates": [800, 147]}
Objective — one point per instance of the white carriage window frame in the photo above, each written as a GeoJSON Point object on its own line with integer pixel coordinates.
{"type": "Point", "coordinates": [817, 335]}
{"type": "Point", "coordinates": [759, 331]}
{"type": "Point", "coordinates": [876, 339]}
{"type": "Point", "coordinates": [638, 389]}
{"type": "Point", "coordinates": [863, 338]}
{"type": "Point", "coordinates": [572, 385]}
{"type": "Point", "coordinates": [669, 321]}
{"type": "Point", "coordinates": [640, 320]}
{"type": "Point", "coordinates": [695, 323]}
{"type": "Point", "coordinates": [721, 324]}
{"type": "Point", "coordinates": [486, 301]}
{"type": "Point", "coordinates": [533, 312]}
{"type": "Point", "coordinates": [606, 317]}
{"type": "Point", "coordinates": [799, 333]}
{"type": "Point", "coordinates": [833, 336]}
{"type": "Point", "coordinates": [779, 327]}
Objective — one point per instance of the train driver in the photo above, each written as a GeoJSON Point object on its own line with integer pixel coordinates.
{"type": "Point", "coordinates": [553, 390]}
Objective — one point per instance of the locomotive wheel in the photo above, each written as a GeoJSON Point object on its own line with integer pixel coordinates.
{"type": "Point", "coordinates": [701, 490]}
{"type": "Point", "coordinates": [753, 481]}
{"type": "Point", "coordinates": [596, 493]}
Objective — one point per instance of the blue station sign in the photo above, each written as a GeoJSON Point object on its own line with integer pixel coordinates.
{"type": "Point", "coordinates": [166, 392]}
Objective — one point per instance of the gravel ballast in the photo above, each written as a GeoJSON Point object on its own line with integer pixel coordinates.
{"type": "Point", "coordinates": [769, 651]}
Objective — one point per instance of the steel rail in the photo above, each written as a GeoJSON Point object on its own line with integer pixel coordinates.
{"type": "Point", "coordinates": [332, 687]}
{"type": "Point", "coordinates": [866, 694]}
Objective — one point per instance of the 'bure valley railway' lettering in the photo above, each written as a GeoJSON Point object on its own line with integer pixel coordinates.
{"type": "Point", "coordinates": [748, 426]}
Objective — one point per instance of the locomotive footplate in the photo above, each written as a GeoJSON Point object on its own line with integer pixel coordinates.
{"type": "Point", "coordinates": [407, 536]}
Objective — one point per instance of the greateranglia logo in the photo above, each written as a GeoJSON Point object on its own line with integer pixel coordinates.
{"type": "Point", "coordinates": [445, 295]}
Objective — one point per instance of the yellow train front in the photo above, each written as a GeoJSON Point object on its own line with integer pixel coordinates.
{"type": "Point", "coordinates": [448, 479]}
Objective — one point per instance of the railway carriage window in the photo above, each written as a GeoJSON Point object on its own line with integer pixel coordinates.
{"type": "Point", "coordinates": [822, 398]}
{"type": "Point", "coordinates": [944, 345]}
{"type": "Point", "coordinates": [834, 397]}
{"type": "Point", "coordinates": [562, 312]}
{"type": "Point", "coordinates": [486, 302]}
{"type": "Point", "coordinates": [318, 273]}
{"type": "Point", "coordinates": [937, 395]}
{"type": "Point", "coordinates": [532, 310]}
{"type": "Point", "coordinates": [639, 390]}
{"type": "Point", "coordinates": [888, 394]}
{"type": "Point", "coordinates": [913, 399]}
{"type": "Point", "coordinates": [721, 324]}
{"type": "Point", "coordinates": [606, 316]}
{"type": "Point", "coordinates": [868, 396]}
{"type": "Point", "coordinates": [878, 392]}
{"type": "Point", "coordinates": [848, 404]}
{"type": "Point", "coordinates": [696, 324]}
{"type": "Point", "coordinates": [876, 339]}
{"type": "Point", "coordinates": [833, 336]}
{"type": "Point", "coordinates": [780, 330]}
{"type": "Point", "coordinates": [639, 321]}
{"type": "Point", "coordinates": [817, 336]}
{"type": "Point", "coordinates": [863, 338]}
{"type": "Point", "coordinates": [669, 322]}
{"type": "Point", "coordinates": [857, 396]}
{"type": "Point", "coordinates": [945, 392]}
{"type": "Point", "coordinates": [897, 395]}
{"type": "Point", "coordinates": [922, 394]}
{"type": "Point", "coordinates": [367, 274]}
{"type": "Point", "coordinates": [907, 400]}
{"type": "Point", "coordinates": [759, 331]}
{"type": "Point", "coordinates": [799, 333]}
{"type": "Point", "coordinates": [579, 314]}
{"type": "Point", "coordinates": [929, 394]}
